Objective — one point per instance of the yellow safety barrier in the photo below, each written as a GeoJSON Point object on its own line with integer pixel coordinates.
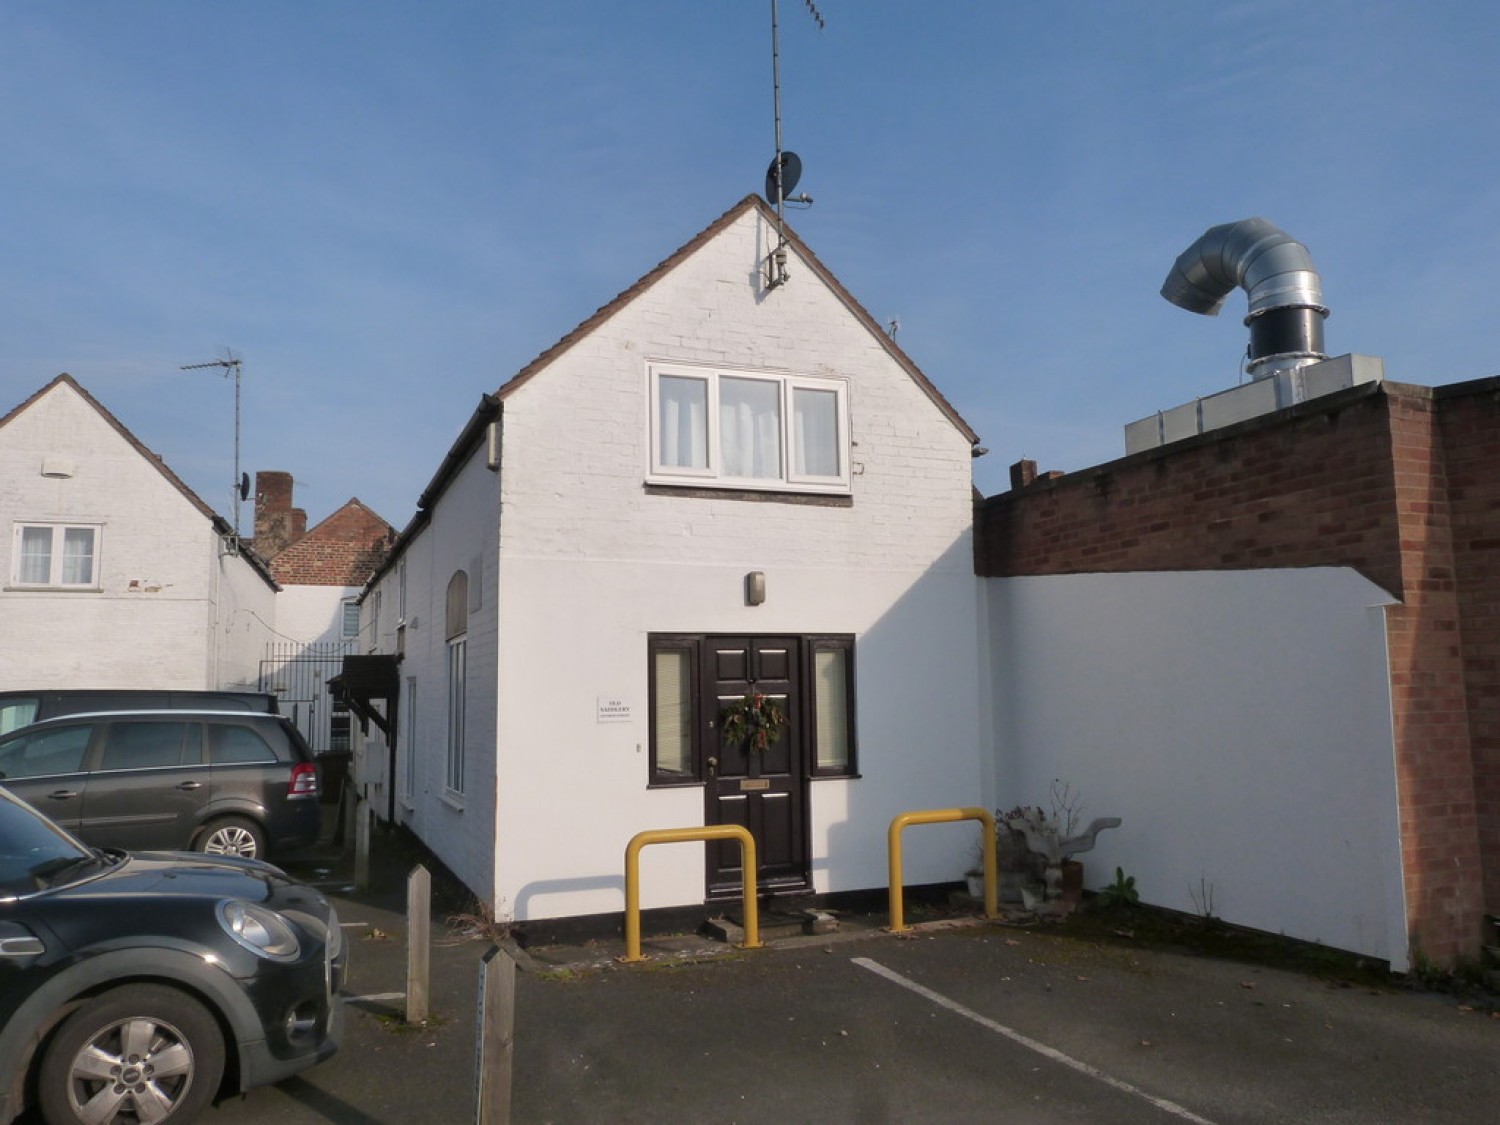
{"type": "Point", "coordinates": [942, 816]}
{"type": "Point", "coordinates": [678, 835]}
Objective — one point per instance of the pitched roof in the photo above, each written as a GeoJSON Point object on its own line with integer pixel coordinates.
{"type": "Point", "coordinates": [490, 406]}
{"type": "Point", "coordinates": [749, 203]}
{"type": "Point", "coordinates": [342, 550]}
{"type": "Point", "coordinates": [220, 524]}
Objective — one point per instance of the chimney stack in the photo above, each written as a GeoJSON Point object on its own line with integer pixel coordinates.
{"type": "Point", "coordinates": [277, 524]}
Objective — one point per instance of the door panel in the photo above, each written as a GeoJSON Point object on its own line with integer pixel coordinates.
{"type": "Point", "coordinates": [764, 791]}
{"type": "Point", "coordinates": [147, 786]}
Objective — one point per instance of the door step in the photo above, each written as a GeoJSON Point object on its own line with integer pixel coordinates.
{"type": "Point", "coordinates": [774, 924]}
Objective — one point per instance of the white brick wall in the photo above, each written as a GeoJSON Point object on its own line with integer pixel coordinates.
{"type": "Point", "coordinates": [590, 564]}
{"type": "Point", "coordinates": [169, 612]}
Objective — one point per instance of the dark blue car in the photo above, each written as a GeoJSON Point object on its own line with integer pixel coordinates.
{"type": "Point", "coordinates": [141, 987]}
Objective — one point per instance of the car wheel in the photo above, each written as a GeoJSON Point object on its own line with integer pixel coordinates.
{"type": "Point", "coordinates": [138, 1053]}
{"type": "Point", "coordinates": [232, 835]}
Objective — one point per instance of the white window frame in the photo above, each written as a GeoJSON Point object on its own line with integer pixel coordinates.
{"type": "Point", "coordinates": [346, 618]}
{"type": "Point", "coordinates": [56, 559]}
{"type": "Point", "coordinates": [457, 706]}
{"type": "Point", "coordinates": [711, 474]}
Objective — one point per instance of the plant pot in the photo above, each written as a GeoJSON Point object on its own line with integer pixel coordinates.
{"type": "Point", "coordinates": [1072, 883]}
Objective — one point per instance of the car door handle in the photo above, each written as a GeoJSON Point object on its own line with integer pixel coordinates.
{"type": "Point", "coordinates": [190, 785]}
{"type": "Point", "coordinates": [63, 794]}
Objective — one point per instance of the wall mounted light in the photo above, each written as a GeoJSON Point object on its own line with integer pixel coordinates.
{"type": "Point", "coordinates": [755, 587]}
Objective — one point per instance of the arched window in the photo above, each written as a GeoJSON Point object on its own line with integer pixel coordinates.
{"type": "Point", "coordinates": [456, 619]}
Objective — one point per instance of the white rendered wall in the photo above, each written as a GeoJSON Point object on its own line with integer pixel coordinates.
{"type": "Point", "coordinates": [461, 535]}
{"type": "Point", "coordinates": [1238, 721]}
{"type": "Point", "coordinates": [591, 564]}
{"type": "Point", "coordinates": [155, 621]}
{"type": "Point", "coordinates": [313, 614]}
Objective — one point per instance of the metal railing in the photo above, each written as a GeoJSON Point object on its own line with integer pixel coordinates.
{"type": "Point", "coordinates": [942, 816]}
{"type": "Point", "coordinates": [679, 835]}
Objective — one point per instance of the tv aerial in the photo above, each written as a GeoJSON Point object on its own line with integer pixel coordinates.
{"type": "Point", "coordinates": [231, 364]}
{"type": "Point", "coordinates": [786, 167]}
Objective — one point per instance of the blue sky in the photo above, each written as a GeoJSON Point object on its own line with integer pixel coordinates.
{"type": "Point", "coordinates": [388, 208]}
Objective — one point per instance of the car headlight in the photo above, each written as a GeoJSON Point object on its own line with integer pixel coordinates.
{"type": "Point", "coordinates": [261, 931]}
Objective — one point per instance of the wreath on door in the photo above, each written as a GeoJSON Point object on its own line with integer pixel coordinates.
{"type": "Point", "coordinates": [756, 720]}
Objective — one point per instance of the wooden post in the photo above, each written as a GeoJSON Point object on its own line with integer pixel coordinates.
{"type": "Point", "coordinates": [495, 1040]}
{"type": "Point", "coordinates": [361, 843]}
{"type": "Point", "coordinates": [418, 942]}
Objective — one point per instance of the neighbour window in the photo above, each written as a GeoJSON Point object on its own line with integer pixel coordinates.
{"type": "Point", "coordinates": [456, 693]}
{"type": "Point", "coordinates": [456, 616]}
{"type": "Point", "coordinates": [56, 556]}
{"type": "Point", "coordinates": [350, 626]}
{"type": "Point", "coordinates": [672, 691]}
{"type": "Point", "coordinates": [748, 429]}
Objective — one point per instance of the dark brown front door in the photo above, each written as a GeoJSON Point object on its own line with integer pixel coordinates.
{"type": "Point", "coordinates": [762, 790]}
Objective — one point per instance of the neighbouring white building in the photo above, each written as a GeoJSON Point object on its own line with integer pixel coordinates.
{"type": "Point", "coordinates": [115, 573]}
{"type": "Point", "coordinates": [714, 488]}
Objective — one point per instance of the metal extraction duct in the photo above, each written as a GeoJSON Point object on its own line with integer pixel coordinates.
{"type": "Point", "coordinates": [1276, 271]}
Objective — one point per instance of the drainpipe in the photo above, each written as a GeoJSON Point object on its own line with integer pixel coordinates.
{"type": "Point", "coordinates": [1275, 270]}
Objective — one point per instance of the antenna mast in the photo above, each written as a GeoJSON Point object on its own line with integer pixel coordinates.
{"type": "Point", "coordinates": [785, 168]}
{"type": "Point", "coordinates": [230, 363]}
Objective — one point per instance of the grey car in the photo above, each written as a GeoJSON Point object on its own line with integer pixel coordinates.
{"type": "Point", "coordinates": [223, 782]}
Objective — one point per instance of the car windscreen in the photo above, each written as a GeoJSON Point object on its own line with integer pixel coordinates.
{"type": "Point", "coordinates": [32, 848]}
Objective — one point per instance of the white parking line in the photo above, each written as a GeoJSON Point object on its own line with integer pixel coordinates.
{"type": "Point", "coordinates": [375, 997]}
{"type": "Point", "coordinates": [1027, 1042]}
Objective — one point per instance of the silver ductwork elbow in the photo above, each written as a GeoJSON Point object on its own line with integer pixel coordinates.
{"type": "Point", "coordinates": [1275, 270]}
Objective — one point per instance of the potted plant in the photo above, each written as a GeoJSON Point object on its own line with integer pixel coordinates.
{"type": "Point", "coordinates": [1055, 837]}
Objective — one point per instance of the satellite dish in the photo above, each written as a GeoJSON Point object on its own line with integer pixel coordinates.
{"type": "Point", "coordinates": [244, 485]}
{"type": "Point", "coordinates": [791, 171]}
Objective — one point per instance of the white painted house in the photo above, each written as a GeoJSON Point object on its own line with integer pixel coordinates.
{"type": "Point", "coordinates": [713, 486]}
{"type": "Point", "coordinates": [115, 574]}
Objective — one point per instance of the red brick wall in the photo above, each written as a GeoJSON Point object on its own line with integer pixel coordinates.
{"type": "Point", "coordinates": [1435, 779]}
{"type": "Point", "coordinates": [1314, 489]}
{"type": "Point", "coordinates": [1470, 427]}
{"type": "Point", "coordinates": [1358, 479]}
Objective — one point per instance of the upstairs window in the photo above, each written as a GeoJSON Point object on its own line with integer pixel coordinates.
{"type": "Point", "coordinates": [56, 556]}
{"type": "Point", "coordinates": [748, 429]}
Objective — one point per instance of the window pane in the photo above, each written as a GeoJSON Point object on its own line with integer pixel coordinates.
{"type": "Point", "coordinates": [36, 555]}
{"type": "Point", "coordinates": [750, 427]}
{"type": "Point", "coordinates": [815, 450]}
{"type": "Point", "coordinates": [230, 745]}
{"type": "Point", "coordinates": [136, 746]}
{"type": "Point", "coordinates": [78, 556]}
{"type": "Point", "coordinates": [351, 619]}
{"type": "Point", "coordinates": [674, 712]}
{"type": "Point", "coordinates": [45, 753]}
{"type": "Point", "coordinates": [683, 422]}
{"type": "Point", "coordinates": [456, 693]}
{"type": "Point", "coordinates": [831, 703]}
